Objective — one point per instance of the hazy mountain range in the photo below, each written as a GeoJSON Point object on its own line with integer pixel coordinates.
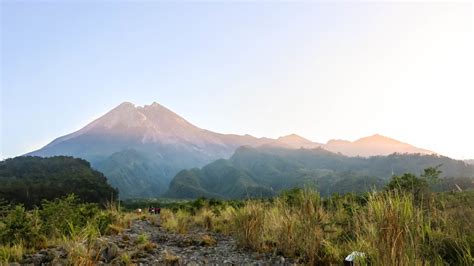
{"type": "Point", "coordinates": [469, 161]}
{"type": "Point", "coordinates": [140, 149]}
{"type": "Point", "coordinates": [265, 171]}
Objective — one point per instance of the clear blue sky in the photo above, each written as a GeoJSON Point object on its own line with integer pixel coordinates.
{"type": "Point", "coordinates": [268, 69]}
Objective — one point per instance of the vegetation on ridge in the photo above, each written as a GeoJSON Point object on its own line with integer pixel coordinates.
{"type": "Point", "coordinates": [403, 223]}
{"type": "Point", "coordinates": [264, 172]}
{"type": "Point", "coordinates": [29, 180]}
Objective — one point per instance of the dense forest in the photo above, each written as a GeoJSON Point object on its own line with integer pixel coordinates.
{"type": "Point", "coordinates": [263, 172]}
{"type": "Point", "coordinates": [29, 180]}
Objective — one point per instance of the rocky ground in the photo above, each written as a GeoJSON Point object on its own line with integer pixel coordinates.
{"type": "Point", "coordinates": [148, 243]}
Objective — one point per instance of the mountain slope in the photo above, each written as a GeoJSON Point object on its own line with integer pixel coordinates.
{"type": "Point", "coordinates": [141, 148]}
{"type": "Point", "coordinates": [372, 145]}
{"type": "Point", "coordinates": [469, 161]}
{"type": "Point", "coordinates": [293, 141]}
{"type": "Point", "coordinates": [264, 171]}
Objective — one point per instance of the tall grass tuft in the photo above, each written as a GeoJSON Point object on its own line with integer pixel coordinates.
{"type": "Point", "coordinates": [177, 222]}
{"type": "Point", "coordinates": [81, 244]}
{"type": "Point", "coordinates": [250, 220]}
{"type": "Point", "coordinates": [397, 229]}
{"type": "Point", "coordinates": [12, 253]}
{"type": "Point", "coordinates": [390, 227]}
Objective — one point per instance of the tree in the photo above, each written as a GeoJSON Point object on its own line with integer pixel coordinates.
{"type": "Point", "coordinates": [29, 180]}
{"type": "Point", "coordinates": [409, 183]}
{"type": "Point", "coordinates": [418, 186]}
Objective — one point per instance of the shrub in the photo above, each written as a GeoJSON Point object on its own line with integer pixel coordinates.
{"type": "Point", "coordinates": [248, 225]}
{"type": "Point", "coordinates": [177, 222]}
{"type": "Point", "coordinates": [141, 239]}
{"type": "Point", "coordinates": [20, 227]}
{"type": "Point", "coordinates": [223, 221]}
{"type": "Point", "coordinates": [205, 218]}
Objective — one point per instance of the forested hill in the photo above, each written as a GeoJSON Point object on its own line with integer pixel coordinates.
{"type": "Point", "coordinates": [263, 172]}
{"type": "Point", "coordinates": [29, 180]}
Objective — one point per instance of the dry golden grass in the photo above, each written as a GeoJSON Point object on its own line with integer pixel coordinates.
{"type": "Point", "coordinates": [82, 245]}
{"type": "Point", "coordinates": [207, 240]}
{"type": "Point", "coordinates": [391, 228]}
{"type": "Point", "coordinates": [222, 223]}
{"type": "Point", "coordinates": [178, 222]}
{"type": "Point", "coordinates": [170, 258]}
{"type": "Point", "coordinates": [204, 218]}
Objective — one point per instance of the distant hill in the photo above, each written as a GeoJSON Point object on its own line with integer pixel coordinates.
{"type": "Point", "coordinates": [141, 148]}
{"type": "Point", "coordinates": [263, 172]}
{"type": "Point", "coordinates": [469, 161]}
{"type": "Point", "coordinates": [372, 145]}
{"type": "Point", "coordinates": [293, 141]}
{"type": "Point", "coordinates": [29, 180]}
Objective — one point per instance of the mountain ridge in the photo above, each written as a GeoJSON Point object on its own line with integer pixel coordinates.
{"type": "Point", "coordinates": [265, 171]}
{"type": "Point", "coordinates": [471, 161]}
{"type": "Point", "coordinates": [161, 143]}
{"type": "Point", "coordinates": [373, 145]}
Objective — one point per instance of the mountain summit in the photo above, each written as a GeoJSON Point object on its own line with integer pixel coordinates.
{"type": "Point", "coordinates": [294, 141]}
{"type": "Point", "coordinates": [372, 145]}
{"type": "Point", "coordinates": [140, 148]}
{"type": "Point", "coordinates": [148, 124]}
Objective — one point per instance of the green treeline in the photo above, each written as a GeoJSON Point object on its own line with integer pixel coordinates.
{"type": "Point", "coordinates": [264, 172]}
{"type": "Point", "coordinates": [29, 180]}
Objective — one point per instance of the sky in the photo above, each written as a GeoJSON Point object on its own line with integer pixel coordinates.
{"type": "Point", "coordinates": [321, 70]}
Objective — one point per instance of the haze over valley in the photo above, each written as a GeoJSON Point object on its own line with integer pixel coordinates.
{"type": "Point", "coordinates": [141, 149]}
{"type": "Point", "coordinates": [236, 133]}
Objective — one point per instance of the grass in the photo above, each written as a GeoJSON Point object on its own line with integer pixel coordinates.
{"type": "Point", "coordinates": [389, 227]}
{"type": "Point", "coordinates": [178, 222]}
{"type": "Point", "coordinates": [207, 240]}
{"type": "Point", "coordinates": [11, 253]}
{"type": "Point", "coordinates": [65, 223]}
{"type": "Point", "coordinates": [141, 239]}
{"type": "Point", "coordinates": [170, 258]}
{"type": "Point", "coordinates": [125, 259]}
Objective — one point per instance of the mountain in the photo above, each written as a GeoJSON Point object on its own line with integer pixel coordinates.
{"type": "Point", "coordinates": [293, 141]}
{"type": "Point", "coordinates": [372, 145]}
{"type": "Point", "coordinates": [141, 148]}
{"type": "Point", "coordinates": [469, 161]}
{"type": "Point", "coordinates": [265, 171]}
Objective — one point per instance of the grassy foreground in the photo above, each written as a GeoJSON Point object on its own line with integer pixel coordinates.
{"type": "Point", "coordinates": [64, 223]}
{"type": "Point", "coordinates": [390, 227]}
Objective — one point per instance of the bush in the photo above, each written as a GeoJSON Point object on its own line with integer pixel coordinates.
{"type": "Point", "coordinates": [20, 227]}
{"type": "Point", "coordinates": [60, 214]}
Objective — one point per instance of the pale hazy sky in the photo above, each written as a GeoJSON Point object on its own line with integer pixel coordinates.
{"type": "Point", "coordinates": [320, 70]}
